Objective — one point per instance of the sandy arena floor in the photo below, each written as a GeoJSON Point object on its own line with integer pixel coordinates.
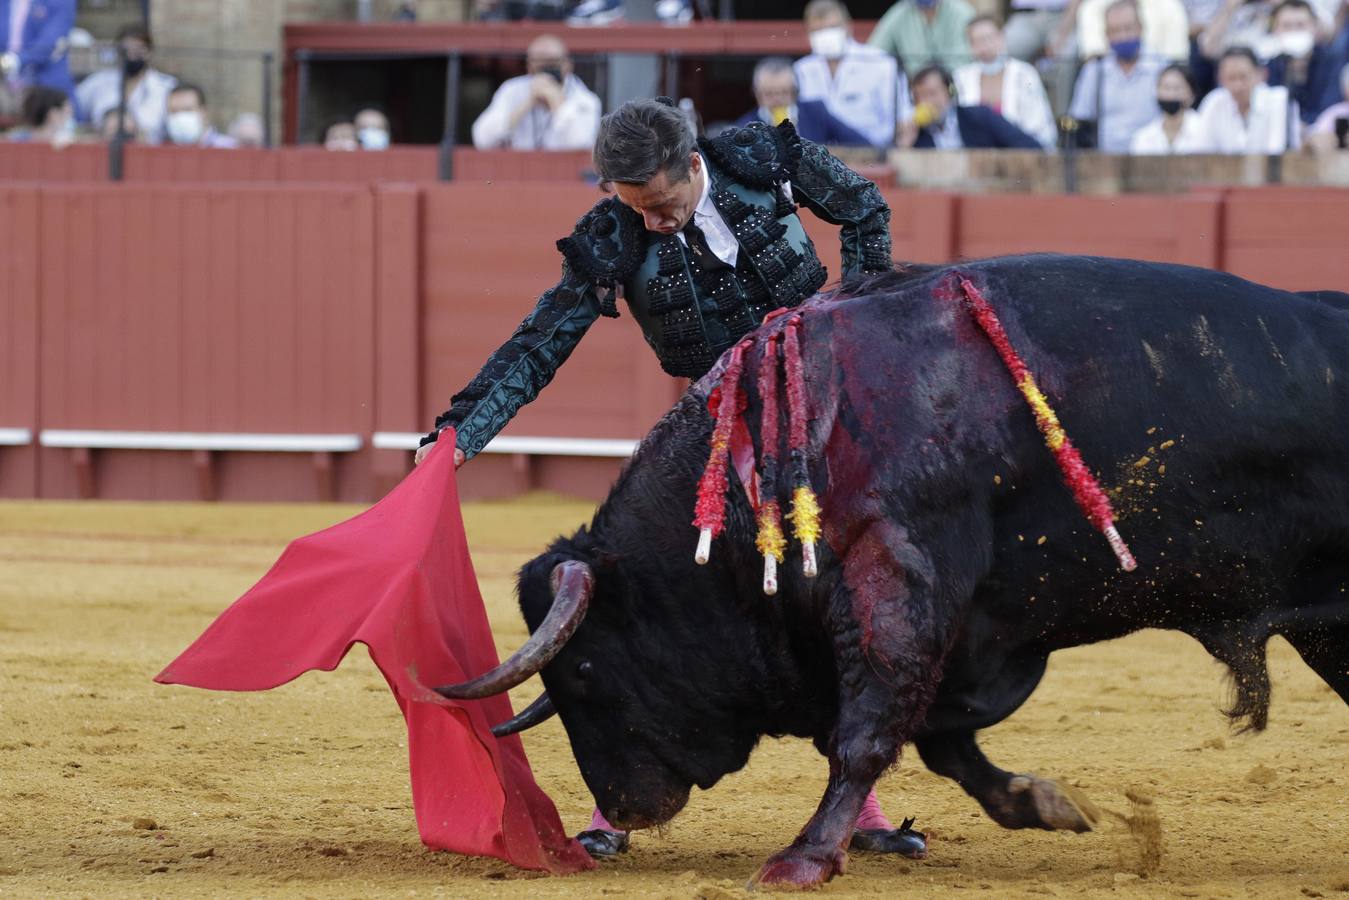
{"type": "Point", "coordinates": [112, 785]}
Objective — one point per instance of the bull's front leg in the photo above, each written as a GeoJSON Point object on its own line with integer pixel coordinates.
{"type": "Point", "coordinates": [887, 658]}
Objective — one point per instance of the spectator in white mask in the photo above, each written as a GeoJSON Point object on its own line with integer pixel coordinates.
{"type": "Point", "coordinates": [861, 86]}
{"type": "Point", "coordinates": [188, 124]}
{"type": "Point", "coordinates": [372, 129]}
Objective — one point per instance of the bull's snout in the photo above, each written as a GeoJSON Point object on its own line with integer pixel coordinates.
{"type": "Point", "coordinates": [633, 813]}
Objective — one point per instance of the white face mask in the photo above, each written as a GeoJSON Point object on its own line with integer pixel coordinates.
{"type": "Point", "coordinates": [993, 66]}
{"type": "Point", "coordinates": [829, 42]}
{"type": "Point", "coordinates": [374, 139]}
{"type": "Point", "coordinates": [1296, 44]}
{"type": "Point", "coordinates": [185, 127]}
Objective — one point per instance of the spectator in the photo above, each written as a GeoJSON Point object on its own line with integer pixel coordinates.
{"type": "Point", "coordinates": [48, 117]}
{"type": "Point", "coordinates": [1309, 68]}
{"type": "Point", "coordinates": [1118, 91]}
{"type": "Point", "coordinates": [248, 131]}
{"type": "Point", "coordinates": [1037, 26]}
{"type": "Point", "coordinates": [107, 127]}
{"type": "Point", "coordinates": [1165, 28]}
{"type": "Point", "coordinates": [1007, 86]}
{"type": "Point", "coordinates": [341, 136]}
{"type": "Point", "coordinates": [1245, 115]}
{"type": "Point", "coordinates": [938, 122]}
{"type": "Point", "coordinates": [1246, 23]}
{"type": "Point", "coordinates": [406, 12]}
{"type": "Point", "coordinates": [189, 123]}
{"type": "Point", "coordinates": [861, 86]}
{"type": "Point", "coordinates": [33, 44]}
{"type": "Point", "coordinates": [1326, 132]}
{"type": "Point", "coordinates": [775, 91]}
{"type": "Point", "coordinates": [1177, 129]}
{"type": "Point", "coordinates": [147, 88]}
{"type": "Point", "coordinates": [548, 109]}
{"type": "Point", "coordinates": [372, 129]}
{"type": "Point", "coordinates": [925, 32]}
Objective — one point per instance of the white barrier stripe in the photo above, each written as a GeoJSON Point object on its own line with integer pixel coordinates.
{"type": "Point", "coordinates": [534, 446]}
{"type": "Point", "coordinates": [15, 437]}
{"type": "Point", "coordinates": [193, 440]}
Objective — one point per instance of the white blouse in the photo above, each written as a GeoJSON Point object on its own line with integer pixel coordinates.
{"type": "Point", "coordinates": [1151, 140]}
{"type": "Point", "coordinates": [1024, 102]}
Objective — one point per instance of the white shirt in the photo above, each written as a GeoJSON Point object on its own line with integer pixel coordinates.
{"type": "Point", "coordinates": [1166, 28]}
{"type": "Point", "coordinates": [1150, 140]}
{"type": "Point", "coordinates": [572, 126]}
{"type": "Point", "coordinates": [1024, 102]}
{"type": "Point", "coordinates": [868, 93]}
{"type": "Point", "coordinates": [147, 104]}
{"type": "Point", "coordinates": [720, 239]}
{"type": "Point", "coordinates": [1264, 130]}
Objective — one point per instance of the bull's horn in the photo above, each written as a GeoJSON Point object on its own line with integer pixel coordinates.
{"type": "Point", "coordinates": [572, 583]}
{"type": "Point", "coordinates": [540, 710]}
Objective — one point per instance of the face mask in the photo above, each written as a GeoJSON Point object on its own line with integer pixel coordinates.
{"type": "Point", "coordinates": [926, 4]}
{"type": "Point", "coordinates": [133, 67]}
{"type": "Point", "coordinates": [1296, 44]}
{"type": "Point", "coordinates": [1127, 50]}
{"type": "Point", "coordinates": [374, 138]}
{"type": "Point", "coordinates": [829, 42]}
{"type": "Point", "coordinates": [993, 67]}
{"type": "Point", "coordinates": [1170, 107]}
{"type": "Point", "coordinates": [67, 129]}
{"type": "Point", "coordinates": [184, 127]}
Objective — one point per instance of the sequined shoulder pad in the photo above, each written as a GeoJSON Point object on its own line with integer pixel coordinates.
{"type": "Point", "coordinates": [607, 245]}
{"type": "Point", "coordinates": [756, 156]}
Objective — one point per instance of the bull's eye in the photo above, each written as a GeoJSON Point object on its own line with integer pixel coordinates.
{"type": "Point", "coordinates": [584, 668]}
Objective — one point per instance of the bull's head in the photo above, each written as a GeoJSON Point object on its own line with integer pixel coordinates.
{"type": "Point", "coordinates": [655, 693]}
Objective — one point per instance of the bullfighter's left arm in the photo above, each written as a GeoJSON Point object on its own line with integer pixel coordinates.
{"type": "Point", "coordinates": [839, 196]}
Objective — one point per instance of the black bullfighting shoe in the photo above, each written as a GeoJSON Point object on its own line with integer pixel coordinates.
{"type": "Point", "coordinates": [902, 840]}
{"type": "Point", "coordinates": [601, 842]}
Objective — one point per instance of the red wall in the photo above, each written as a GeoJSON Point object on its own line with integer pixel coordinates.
{"type": "Point", "coordinates": [351, 308]}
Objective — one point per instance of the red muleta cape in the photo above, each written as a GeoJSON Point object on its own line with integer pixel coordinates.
{"type": "Point", "coordinates": [398, 578]}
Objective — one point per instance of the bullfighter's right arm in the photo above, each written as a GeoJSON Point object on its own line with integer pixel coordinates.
{"type": "Point", "coordinates": [605, 247]}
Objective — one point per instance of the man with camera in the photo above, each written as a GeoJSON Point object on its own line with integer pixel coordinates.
{"type": "Point", "coordinates": [547, 109]}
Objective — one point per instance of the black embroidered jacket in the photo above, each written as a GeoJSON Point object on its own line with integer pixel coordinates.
{"type": "Point", "coordinates": [690, 305]}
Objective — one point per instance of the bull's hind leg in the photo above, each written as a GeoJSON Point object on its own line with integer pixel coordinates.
{"type": "Point", "coordinates": [1322, 639]}
{"type": "Point", "coordinates": [888, 658]}
{"type": "Point", "coordinates": [1011, 800]}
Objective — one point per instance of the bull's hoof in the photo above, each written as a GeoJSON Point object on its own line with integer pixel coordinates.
{"type": "Point", "coordinates": [601, 842]}
{"type": "Point", "coordinates": [1058, 806]}
{"type": "Point", "coordinates": [800, 869]}
{"type": "Point", "coordinates": [902, 840]}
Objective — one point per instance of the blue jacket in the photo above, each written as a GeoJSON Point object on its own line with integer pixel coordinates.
{"type": "Point", "coordinates": [1322, 87]}
{"type": "Point", "coordinates": [980, 128]}
{"type": "Point", "coordinates": [814, 122]}
{"type": "Point", "coordinates": [42, 52]}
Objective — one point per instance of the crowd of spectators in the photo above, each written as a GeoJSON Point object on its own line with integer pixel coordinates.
{"type": "Point", "coordinates": [159, 108]}
{"type": "Point", "coordinates": [1121, 76]}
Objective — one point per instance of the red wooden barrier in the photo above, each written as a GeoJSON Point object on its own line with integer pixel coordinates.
{"type": "Point", "coordinates": [1293, 238]}
{"type": "Point", "coordinates": [19, 275]}
{"type": "Point", "coordinates": [346, 309]}
{"type": "Point", "coordinates": [39, 162]}
{"type": "Point", "coordinates": [205, 310]}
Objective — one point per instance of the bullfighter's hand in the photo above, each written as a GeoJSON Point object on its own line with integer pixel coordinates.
{"type": "Point", "coordinates": [425, 449]}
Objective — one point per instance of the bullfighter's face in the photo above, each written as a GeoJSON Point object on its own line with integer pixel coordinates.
{"type": "Point", "coordinates": [665, 204]}
{"type": "Point", "coordinates": [640, 723]}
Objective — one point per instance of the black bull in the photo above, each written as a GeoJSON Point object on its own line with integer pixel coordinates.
{"type": "Point", "coordinates": [1214, 411]}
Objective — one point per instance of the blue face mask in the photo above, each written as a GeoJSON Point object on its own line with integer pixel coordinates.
{"type": "Point", "coordinates": [926, 4]}
{"type": "Point", "coordinates": [1127, 50]}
